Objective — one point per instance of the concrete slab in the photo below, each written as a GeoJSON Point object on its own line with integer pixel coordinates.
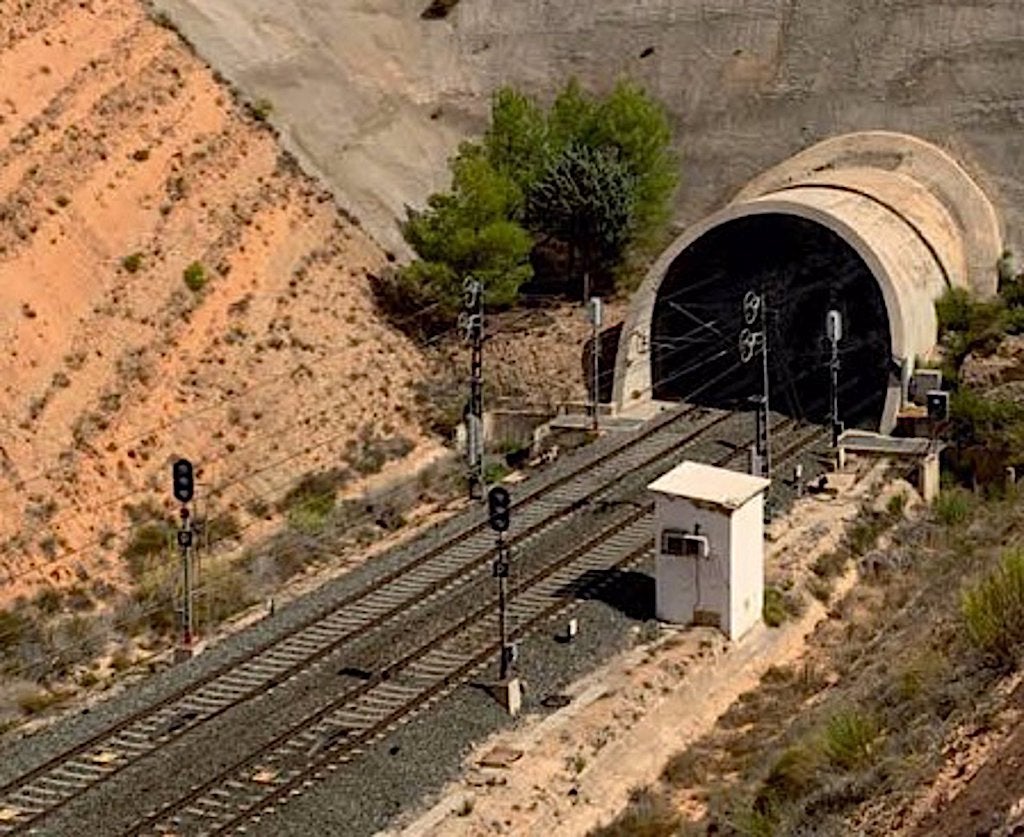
{"type": "Point", "coordinates": [579, 422]}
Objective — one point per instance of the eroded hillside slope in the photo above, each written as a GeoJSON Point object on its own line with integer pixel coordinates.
{"type": "Point", "coordinates": [123, 162]}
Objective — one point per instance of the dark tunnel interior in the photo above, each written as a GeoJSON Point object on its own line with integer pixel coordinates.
{"type": "Point", "coordinates": [802, 270]}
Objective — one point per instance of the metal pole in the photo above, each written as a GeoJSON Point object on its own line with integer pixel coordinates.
{"type": "Point", "coordinates": [764, 403]}
{"type": "Point", "coordinates": [185, 543]}
{"type": "Point", "coordinates": [595, 351]}
{"type": "Point", "coordinates": [474, 313]}
{"type": "Point", "coordinates": [501, 570]}
{"type": "Point", "coordinates": [834, 385]}
{"type": "Point", "coordinates": [834, 332]}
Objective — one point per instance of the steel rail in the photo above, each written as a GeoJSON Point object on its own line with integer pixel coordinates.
{"type": "Point", "coordinates": [436, 665]}
{"type": "Point", "coordinates": [317, 740]}
{"type": "Point", "coordinates": [51, 785]}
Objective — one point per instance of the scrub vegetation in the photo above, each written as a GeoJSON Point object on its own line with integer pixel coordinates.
{"type": "Point", "coordinates": [843, 741]}
{"type": "Point", "coordinates": [987, 426]}
{"type": "Point", "coordinates": [81, 637]}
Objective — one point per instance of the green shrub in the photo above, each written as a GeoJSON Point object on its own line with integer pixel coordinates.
{"type": "Point", "coordinates": [495, 472]}
{"type": "Point", "coordinates": [309, 504]}
{"type": "Point", "coordinates": [796, 772]}
{"type": "Point", "coordinates": [753, 823]}
{"type": "Point", "coordinates": [261, 109]}
{"type": "Point", "coordinates": [148, 541]}
{"type": "Point", "coordinates": [438, 9]}
{"type": "Point", "coordinates": [863, 534]}
{"type": "Point", "coordinates": [195, 277]}
{"type": "Point", "coordinates": [12, 628]}
{"type": "Point", "coordinates": [225, 592]}
{"type": "Point", "coordinates": [48, 601]}
{"type": "Point", "coordinates": [152, 606]}
{"type": "Point", "coordinates": [309, 516]}
{"type": "Point", "coordinates": [897, 503]}
{"type": "Point", "coordinates": [79, 639]}
{"type": "Point", "coordinates": [373, 452]}
{"type": "Point", "coordinates": [778, 607]}
{"type": "Point", "coordinates": [132, 263]}
{"type": "Point", "coordinates": [830, 564]}
{"type": "Point", "coordinates": [993, 610]}
{"type": "Point", "coordinates": [953, 508]}
{"type": "Point", "coordinates": [223, 527]}
{"type": "Point", "coordinates": [848, 739]}
{"type": "Point", "coordinates": [953, 310]}
{"type": "Point", "coordinates": [686, 768]}
{"type": "Point", "coordinates": [319, 484]}
{"type": "Point", "coordinates": [820, 588]}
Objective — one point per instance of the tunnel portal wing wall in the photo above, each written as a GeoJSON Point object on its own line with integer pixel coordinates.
{"type": "Point", "coordinates": [908, 217]}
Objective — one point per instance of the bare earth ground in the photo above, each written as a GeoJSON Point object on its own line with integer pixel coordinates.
{"type": "Point", "coordinates": [534, 358]}
{"type": "Point", "coordinates": [627, 718]}
{"type": "Point", "coordinates": [982, 788]}
{"type": "Point", "coordinates": [115, 140]}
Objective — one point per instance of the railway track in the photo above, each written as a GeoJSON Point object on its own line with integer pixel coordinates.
{"type": "Point", "coordinates": [335, 734]}
{"type": "Point", "coordinates": [27, 800]}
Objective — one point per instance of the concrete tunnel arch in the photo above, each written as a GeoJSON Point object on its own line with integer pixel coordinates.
{"type": "Point", "coordinates": [897, 209]}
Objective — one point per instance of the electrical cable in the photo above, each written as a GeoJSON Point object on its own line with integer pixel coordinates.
{"type": "Point", "coordinates": [317, 540]}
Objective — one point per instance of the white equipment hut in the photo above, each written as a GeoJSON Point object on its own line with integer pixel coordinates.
{"type": "Point", "coordinates": [709, 547]}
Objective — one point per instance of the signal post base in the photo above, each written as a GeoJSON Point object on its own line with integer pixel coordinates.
{"type": "Point", "coordinates": [184, 652]}
{"type": "Point", "coordinates": [508, 693]}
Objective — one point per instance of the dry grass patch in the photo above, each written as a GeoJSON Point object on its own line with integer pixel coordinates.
{"type": "Point", "coordinates": [649, 814]}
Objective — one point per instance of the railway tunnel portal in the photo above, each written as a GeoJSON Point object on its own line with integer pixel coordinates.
{"type": "Point", "coordinates": [875, 225]}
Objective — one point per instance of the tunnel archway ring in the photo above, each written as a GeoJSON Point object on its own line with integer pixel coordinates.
{"type": "Point", "coordinates": [904, 231]}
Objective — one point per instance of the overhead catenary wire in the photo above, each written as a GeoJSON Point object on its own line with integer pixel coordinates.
{"type": "Point", "coordinates": [321, 540]}
{"type": "Point", "coordinates": [20, 484]}
{"type": "Point", "coordinates": [608, 373]}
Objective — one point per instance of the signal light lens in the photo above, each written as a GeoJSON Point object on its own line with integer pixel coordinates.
{"type": "Point", "coordinates": [499, 501]}
{"type": "Point", "coordinates": [182, 482]}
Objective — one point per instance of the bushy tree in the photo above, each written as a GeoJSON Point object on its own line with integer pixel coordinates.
{"type": "Point", "coordinates": [517, 140]}
{"type": "Point", "coordinates": [595, 175]}
{"type": "Point", "coordinates": [620, 148]}
{"type": "Point", "coordinates": [638, 127]}
{"type": "Point", "coordinates": [586, 198]}
{"type": "Point", "coordinates": [468, 231]}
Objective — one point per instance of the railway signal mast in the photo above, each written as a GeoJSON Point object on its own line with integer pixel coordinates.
{"type": "Point", "coordinates": [472, 321]}
{"type": "Point", "coordinates": [834, 332]}
{"type": "Point", "coordinates": [499, 504]}
{"type": "Point", "coordinates": [755, 312]}
{"type": "Point", "coordinates": [183, 488]}
{"type": "Point", "coordinates": [595, 352]}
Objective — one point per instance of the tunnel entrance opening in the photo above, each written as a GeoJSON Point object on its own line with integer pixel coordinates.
{"type": "Point", "coordinates": [802, 269]}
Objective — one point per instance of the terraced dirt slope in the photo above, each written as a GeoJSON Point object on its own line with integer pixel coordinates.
{"type": "Point", "coordinates": [123, 162]}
